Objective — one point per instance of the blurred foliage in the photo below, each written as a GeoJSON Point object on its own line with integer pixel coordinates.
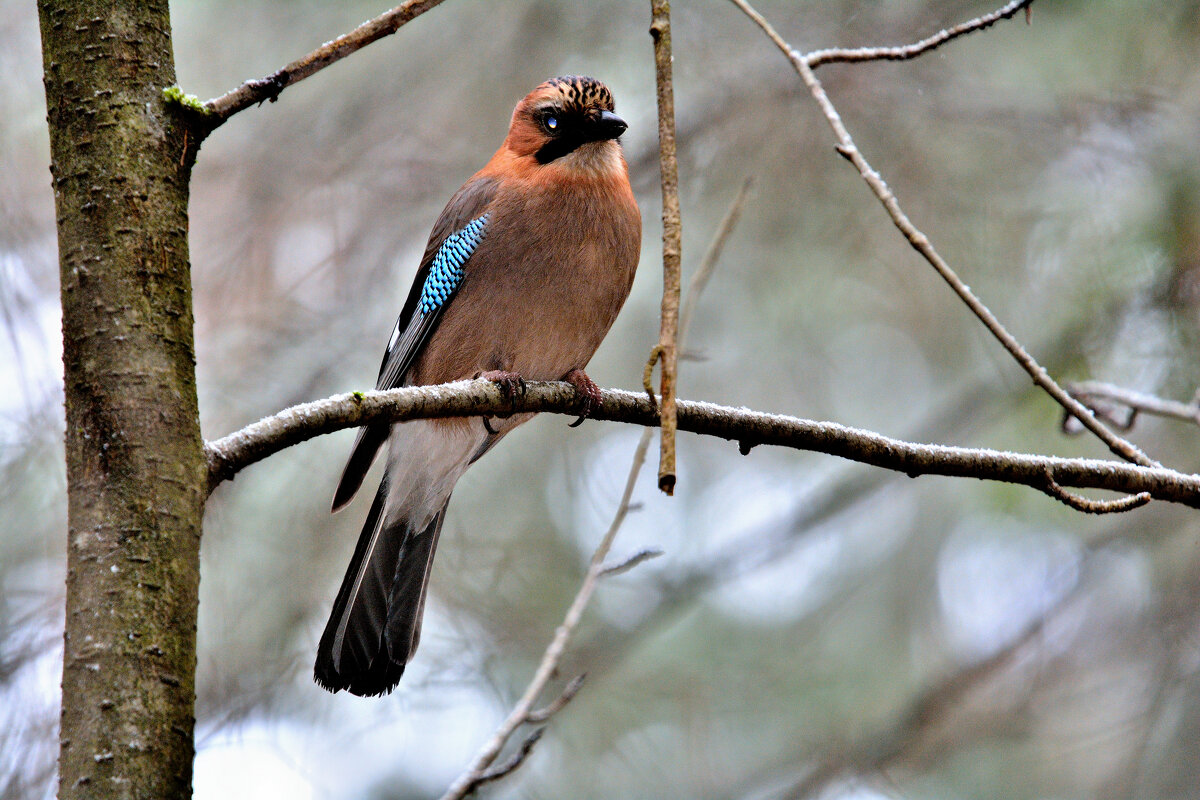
{"type": "Point", "coordinates": [803, 603]}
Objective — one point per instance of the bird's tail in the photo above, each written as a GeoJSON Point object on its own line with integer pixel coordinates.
{"type": "Point", "coordinates": [375, 625]}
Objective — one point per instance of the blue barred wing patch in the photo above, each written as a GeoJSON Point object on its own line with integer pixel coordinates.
{"type": "Point", "coordinates": [446, 270]}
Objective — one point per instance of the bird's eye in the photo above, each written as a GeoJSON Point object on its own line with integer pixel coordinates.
{"type": "Point", "coordinates": [551, 123]}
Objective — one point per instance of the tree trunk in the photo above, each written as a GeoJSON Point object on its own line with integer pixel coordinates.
{"type": "Point", "coordinates": [121, 161]}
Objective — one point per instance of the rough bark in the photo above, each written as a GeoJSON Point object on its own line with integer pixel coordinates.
{"type": "Point", "coordinates": [121, 160]}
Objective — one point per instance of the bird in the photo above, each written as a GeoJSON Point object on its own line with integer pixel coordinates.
{"type": "Point", "coordinates": [524, 273]}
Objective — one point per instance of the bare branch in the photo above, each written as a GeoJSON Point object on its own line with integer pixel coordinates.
{"type": "Point", "coordinates": [835, 55]}
{"type": "Point", "coordinates": [920, 242]}
{"type": "Point", "coordinates": [229, 455]}
{"type": "Point", "coordinates": [1105, 399]}
{"type": "Point", "coordinates": [268, 88]}
{"type": "Point", "coordinates": [660, 31]}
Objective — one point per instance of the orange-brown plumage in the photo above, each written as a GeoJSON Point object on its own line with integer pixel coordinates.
{"type": "Point", "coordinates": [525, 272]}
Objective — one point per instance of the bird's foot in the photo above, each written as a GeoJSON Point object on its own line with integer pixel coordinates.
{"type": "Point", "coordinates": [588, 392]}
{"type": "Point", "coordinates": [511, 385]}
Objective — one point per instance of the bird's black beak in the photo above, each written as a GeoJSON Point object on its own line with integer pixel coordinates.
{"type": "Point", "coordinates": [607, 126]}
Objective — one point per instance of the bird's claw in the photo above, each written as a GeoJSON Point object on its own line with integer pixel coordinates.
{"type": "Point", "coordinates": [590, 398]}
{"type": "Point", "coordinates": [511, 385]}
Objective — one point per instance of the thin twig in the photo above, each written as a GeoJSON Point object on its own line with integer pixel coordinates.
{"type": "Point", "coordinates": [501, 770]}
{"type": "Point", "coordinates": [519, 715]}
{"type": "Point", "coordinates": [1089, 506]}
{"type": "Point", "coordinates": [268, 88]}
{"type": "Point", "coordinates": [660, 31]}
{"type": "Point", "coordinates": [623, 566]}
{"type": "Point", "coordinates": [920, 242]}
{"type": "Point", "coordinates": [568, 694]}
{"type": "Point", "coordinates": [1103, 398]}
{"type": "Point", "coordinates": [835, 55]}
{"type": "Point", "coordinates": [648, 376]}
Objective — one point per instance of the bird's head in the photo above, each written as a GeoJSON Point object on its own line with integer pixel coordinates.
{"type": "Point", "coordinates": [567, 121]}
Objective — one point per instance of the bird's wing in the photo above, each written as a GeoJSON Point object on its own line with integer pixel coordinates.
{"type": "Point", "coordinates": [456, 234]}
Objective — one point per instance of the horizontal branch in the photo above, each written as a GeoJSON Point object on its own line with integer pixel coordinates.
{"type": "Point", "coordinates": [268, 88]}
{"type": "Point", "coordinates": [231, 454]}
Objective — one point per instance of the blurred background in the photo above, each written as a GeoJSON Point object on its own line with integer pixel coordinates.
{"type": "Point", "coordinates": [815, 628]}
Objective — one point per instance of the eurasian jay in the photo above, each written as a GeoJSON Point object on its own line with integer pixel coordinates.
{"type": "Point", "coordinates": [523, 275]}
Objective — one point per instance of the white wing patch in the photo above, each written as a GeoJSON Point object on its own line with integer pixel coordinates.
{"type": "Point", "coordinates": [395, 336]}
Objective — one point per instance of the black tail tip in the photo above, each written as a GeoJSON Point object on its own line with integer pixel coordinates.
{"type": "Point", "coordinates": [378, 680]}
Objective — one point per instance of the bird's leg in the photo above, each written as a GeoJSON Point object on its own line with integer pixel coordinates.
{"type": "Point", "coordinates": [511, 385]}
{"type": "Point", "coordinates": [588, 391]}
